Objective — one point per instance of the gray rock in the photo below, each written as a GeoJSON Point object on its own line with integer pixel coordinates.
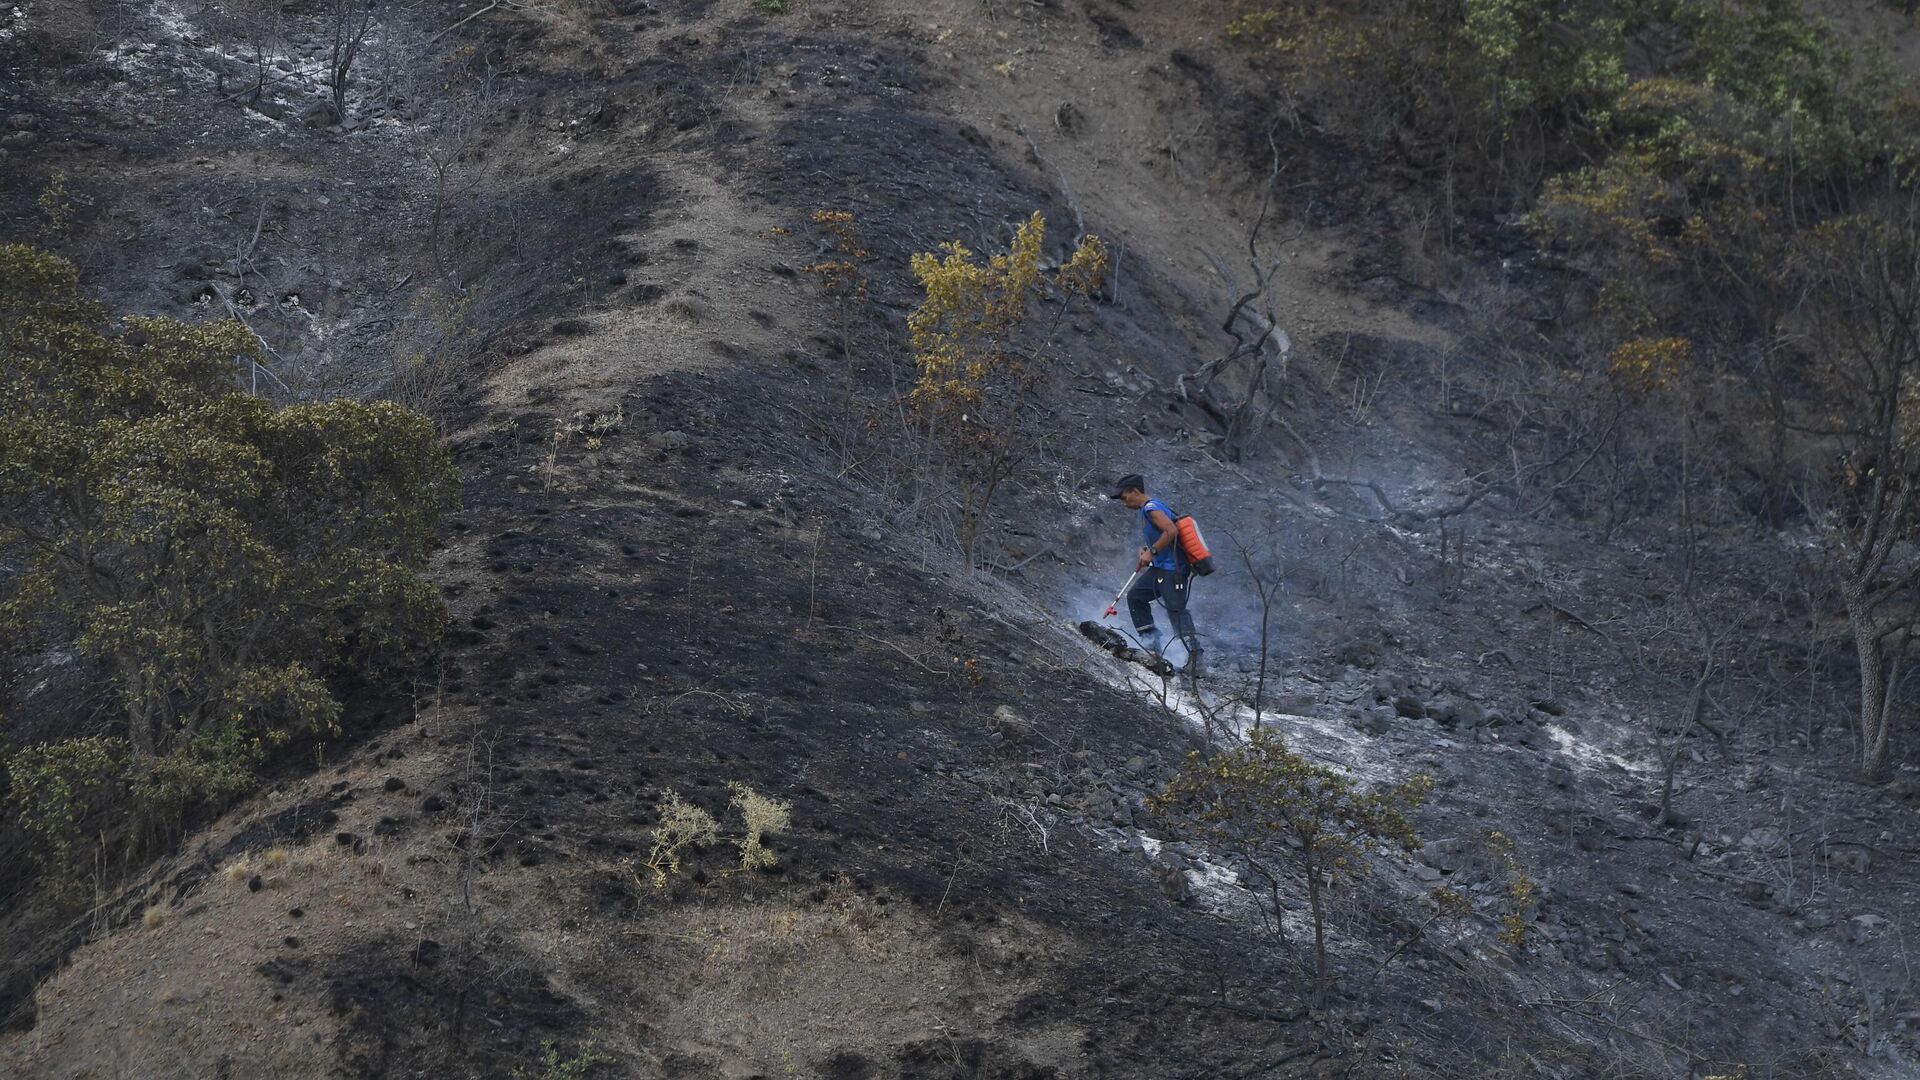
{"type": "Point", "coordinates": [1856, 860]}
{"type": "Point", "coordinates": [16, 140]}
{"type": "Point", "coordinates": [1173, 882]}
{"type": "Point", "coordinates": [1862, 928]}
{"type": "Point", "coordinates": [1764, 838]}
{"type": "Point", "coordinates": [1817, 920]}
{"type": "Point", "coordinates": [1295, 704]}
{"type": "Point", "coordinates": [1560, 772]}
{"type": "Point", "coordinates": [20, 122]}
{"type": "Point", "coordinates": [1010, 725]}
{"type": "Point", "coordinates": [673, 440]}
{"type": "Point", "coordinates": [1444, 854]}
{"type": "Point", "coordinates": [1406, 705]}
{"type": "Point", "coordinates": [1375, 721]}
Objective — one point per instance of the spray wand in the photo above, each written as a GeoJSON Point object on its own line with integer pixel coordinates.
{"type": "Point", "coordinates": [1114, 608]}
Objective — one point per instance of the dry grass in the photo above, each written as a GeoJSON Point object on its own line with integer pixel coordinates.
{"type": "Point", "coordinates": [153, 917]}
{"type": "Point", "coordinates": [844, 968]}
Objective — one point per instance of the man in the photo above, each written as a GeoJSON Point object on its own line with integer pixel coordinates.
{"type": "Point", "coordinates": [1164, 575]}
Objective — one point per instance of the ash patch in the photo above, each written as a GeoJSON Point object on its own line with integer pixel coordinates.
{"type": "Point", "coordinates": [407, 1005]}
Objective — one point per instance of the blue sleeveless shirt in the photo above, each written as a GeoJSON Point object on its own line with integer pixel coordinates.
{"type": "Point", "coordinates": [1150, 533]}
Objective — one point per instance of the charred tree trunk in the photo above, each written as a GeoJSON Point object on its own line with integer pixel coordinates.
{"type": "Point", "coordinates": [1880, 671]}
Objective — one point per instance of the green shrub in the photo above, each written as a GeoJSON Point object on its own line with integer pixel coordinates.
{"type": "Point", "coordinates": [1272, 806]}
{"type": "Point", "coordinates": [211, 553]}
{"type": "Point", "coordinates": [977, 366]}
{"type": "Point", "coordinates": [64, 794]}
{"type": "Point", "coordinates": [554, 1066]}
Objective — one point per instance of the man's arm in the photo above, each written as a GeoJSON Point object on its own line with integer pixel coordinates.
{"type": "Point", "coordinates": [1167, 536]}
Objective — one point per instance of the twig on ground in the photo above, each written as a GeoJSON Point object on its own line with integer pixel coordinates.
{"type": "Point", "coordinates": [917, 662]}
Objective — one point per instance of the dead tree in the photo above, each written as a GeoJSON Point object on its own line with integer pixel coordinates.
{"type": "Point", "coordinates": [352, 19]}
{"type": "Point", "coordinates": [1267, 589]}
{"type": "Point", "coordinates": [258, 26]}
{"type": "Point", "coordinates": [1864, 293]}
{"type": "Point", "coordinates": [1254, 327]}
{"type": "Point", "coordinates": [1712, 637]}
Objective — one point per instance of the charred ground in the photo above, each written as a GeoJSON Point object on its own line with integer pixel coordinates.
{"type": "Point", "coordinates": [663, 580]}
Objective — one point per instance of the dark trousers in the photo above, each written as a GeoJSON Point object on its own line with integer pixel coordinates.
{"type": "Point", "coordinates": [1171, 588]}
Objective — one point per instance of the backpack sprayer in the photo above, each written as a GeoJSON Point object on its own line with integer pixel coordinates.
{"type": "Point", "coordinates": [1190, 548]}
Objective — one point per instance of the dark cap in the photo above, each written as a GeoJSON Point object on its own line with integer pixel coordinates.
{"type": "Point", "coordinates": [1129, 482]}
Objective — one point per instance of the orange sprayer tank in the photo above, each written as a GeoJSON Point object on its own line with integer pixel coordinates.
{"type": "Point", "coordinates": [1193, 546]}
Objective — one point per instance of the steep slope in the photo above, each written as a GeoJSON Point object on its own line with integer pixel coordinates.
{"type": "Point", "coordinates": [664, 580]}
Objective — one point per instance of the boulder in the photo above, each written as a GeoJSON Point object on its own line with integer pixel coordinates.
{"type": "Point", "coordinates": [1445, 854]}
{"type": "Point", "coordinates": [1010, 725]}
{"type": "Point", "coordinates": [1377, 720]}
{"type": "Point", "coordinates": [1862, 928]}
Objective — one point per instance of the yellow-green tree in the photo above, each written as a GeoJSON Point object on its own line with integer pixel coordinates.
{"type": "Point", "coordinates": [212, 554]}
{"type": "Point", "coordinates": [1272, 807]}
{"type": "Point", "coordinates": [977, 364]}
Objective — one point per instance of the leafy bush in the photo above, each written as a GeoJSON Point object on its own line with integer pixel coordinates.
{"type": "Point", "coordinates": [1270, 806]}
{"type": "Point", "coordinates": [213, 554]}
{"type": "Point", "coordinates": [554, 1066]}
{"type": "Point", "coordinates": [684, 826]}
{"type": "Point", "coordinates": [1485, 87]}
{"type": "Point", "coordinates": [1521, 890]}
{"type": "Point", "coordinates": [975, 368]}
{"type": "Point", "coordinates": [64, 793]}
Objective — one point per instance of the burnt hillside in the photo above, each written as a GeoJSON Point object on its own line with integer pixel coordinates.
{"type": "Point", "coordinates": [587, 239]}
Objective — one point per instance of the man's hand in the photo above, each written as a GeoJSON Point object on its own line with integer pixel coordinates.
{"type": "Point", "coordinates": [1146, 559]}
